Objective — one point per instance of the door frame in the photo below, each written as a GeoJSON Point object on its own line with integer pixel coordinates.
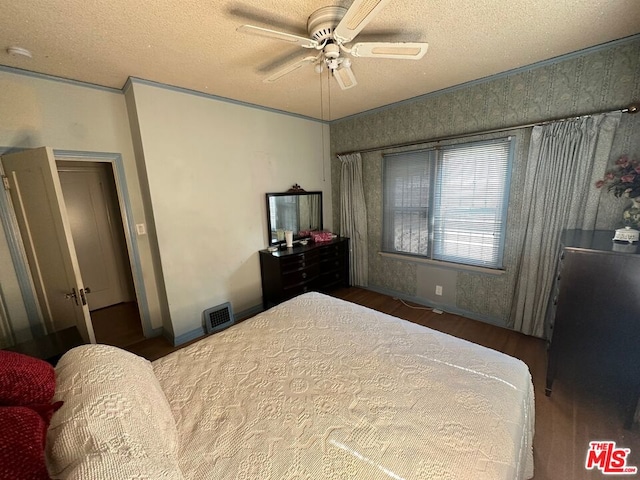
{"type": "Point", "coordinates": [19, 259]}
{"type": "Point", "coordinates": [18, 255]}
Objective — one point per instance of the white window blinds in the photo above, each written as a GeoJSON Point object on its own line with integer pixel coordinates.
{"type": "Point", "coordinates": [470, 203]}
{"type": "Point", "coordinates": [448, 204]}
{"type": "Point", "coordinates": [407, 181]}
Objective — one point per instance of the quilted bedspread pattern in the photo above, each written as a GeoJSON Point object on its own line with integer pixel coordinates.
{"type": "Point", "coordinates": [321, 388]}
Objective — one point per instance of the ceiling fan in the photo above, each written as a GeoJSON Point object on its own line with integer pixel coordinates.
{"type": "Point", "coordinates": [331, 30]}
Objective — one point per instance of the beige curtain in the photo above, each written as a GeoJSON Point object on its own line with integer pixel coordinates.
{"type": "Point", "coordinates": [565, 160]}
{"type": "Point", "coordinates": [353, 217]}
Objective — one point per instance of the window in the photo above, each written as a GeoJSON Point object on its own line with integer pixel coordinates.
{"type": "Point", "coordinates": [448, 203]}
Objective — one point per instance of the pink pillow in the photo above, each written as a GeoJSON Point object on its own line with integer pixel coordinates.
{"type": "Point", "coordinates": [22, 444]}
{"type": "Point", "coordinates": [25, 380]}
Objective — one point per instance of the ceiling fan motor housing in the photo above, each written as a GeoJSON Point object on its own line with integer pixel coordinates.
{"type": "Point", "coordinates": [321, 23]}
{"type": "Point", "coordinates": [331, 50]}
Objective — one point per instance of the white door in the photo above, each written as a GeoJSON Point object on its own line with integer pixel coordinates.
{"type": "Point", "coordinates": [91, 204]}
{"type": "Point", "coordinates": [42, 218]}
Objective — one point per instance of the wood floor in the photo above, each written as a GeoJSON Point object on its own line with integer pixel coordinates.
{"type": "Point", "coordinates": [565, 422]}
{"type": "Point", "coordinates": [118, 325]}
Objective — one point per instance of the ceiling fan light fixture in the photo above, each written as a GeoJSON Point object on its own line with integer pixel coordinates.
{"type": "Point", "coordinates": [332, 63]}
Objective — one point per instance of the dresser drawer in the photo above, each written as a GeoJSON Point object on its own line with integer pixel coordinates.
{"type": "Point", "coordinates": [293, 263]}
{"type": "Point", "coordinates": [332, 264]}
{"type": "Point", "coordinates": [299, 276]}
{"type": "Point", "coordinates": [332, 252]}
{"type": "Point", "coordinates": [330, 280]}
{"type": "Point", "coordinates": [295, 290]}
{"type": "Point", "coordinates": [303, 268]}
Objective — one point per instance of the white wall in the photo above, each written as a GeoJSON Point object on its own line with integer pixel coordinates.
{"type": "Point", "coordinates": [37, 111]}
{"type": "Point", "coordinates": [209, 164]}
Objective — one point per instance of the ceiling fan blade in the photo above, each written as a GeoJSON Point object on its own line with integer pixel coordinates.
{"type": "Point", "coordinates": [360, 13]}
{"type": "Point", "coordinates": [290, 68]}
{"type": "Point", "coordinates": [255, 15]}
{"type": "Point", "coordinates": [400, 50]}
{"type": "Point", "coordinates": [277, 62]}
{"type": "Point", "coordinates": [287, 37]}
{"type": "Point", "coordinates": [345, 77]}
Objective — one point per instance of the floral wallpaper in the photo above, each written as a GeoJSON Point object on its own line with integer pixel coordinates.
{"type": "Point", "coordinates": [600, 79]}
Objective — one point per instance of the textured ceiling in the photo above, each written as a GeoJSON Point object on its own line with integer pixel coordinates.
{"type": "Point", "coordinates": [194, 44]}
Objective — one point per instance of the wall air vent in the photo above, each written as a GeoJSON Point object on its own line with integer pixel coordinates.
{"type": "Point", "coordinates": [218, 318]}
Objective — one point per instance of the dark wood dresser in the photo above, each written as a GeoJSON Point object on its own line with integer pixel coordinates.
{"type": "Point", "coordinates": [289, 272]}
{"type": "Point", "coordinates": [595, 337]}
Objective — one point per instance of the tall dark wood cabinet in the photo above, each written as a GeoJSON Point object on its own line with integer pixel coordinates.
{"type": "Point", "coordinates": [596, 330]}
{"type": "Point", "coordinates": [289, 272]}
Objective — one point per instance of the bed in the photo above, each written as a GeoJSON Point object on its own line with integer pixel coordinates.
{"type": "Point", "coordinates": [315, 387]}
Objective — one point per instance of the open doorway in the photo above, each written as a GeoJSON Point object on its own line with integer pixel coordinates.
{"type": "Point", "coordinates": [91, 200]}
{"type": "Point", "coordinates": [37, 228]}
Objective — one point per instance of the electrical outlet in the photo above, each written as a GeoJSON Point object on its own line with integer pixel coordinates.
{"type": "Point", "coordinates": [438, 289]}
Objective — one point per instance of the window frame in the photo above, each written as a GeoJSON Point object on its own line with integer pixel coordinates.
{"type": "Point", "coordinates": [433, 156]}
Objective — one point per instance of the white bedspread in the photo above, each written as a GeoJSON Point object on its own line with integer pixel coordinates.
{"type": "Point", "coordinates": [321, 388]}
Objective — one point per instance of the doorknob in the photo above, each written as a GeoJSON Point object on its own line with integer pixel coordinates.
{"type": "Point", "coordinates": [73, 295]}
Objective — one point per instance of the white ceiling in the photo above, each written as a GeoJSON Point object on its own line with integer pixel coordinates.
{"type": "Point", "coordinates": [194, 44]}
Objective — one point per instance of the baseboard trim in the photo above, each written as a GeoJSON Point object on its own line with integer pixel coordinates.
{"type": "Point", "coordinates": [200, 331]}
{"type": "Point", "coordinates": [167, 336]}
{"type": "Point", "coordinates": [440, 306]}
{"type": "Point", "coordinates": [249, 312]}
{"type": "Point", "coordinates": [188, 336]}
{"type": "Point", "coordinates": [156, 332]}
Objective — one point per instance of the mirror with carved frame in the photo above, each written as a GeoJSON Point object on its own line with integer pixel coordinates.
{"type": "Point", "coordinates": [295, 210]}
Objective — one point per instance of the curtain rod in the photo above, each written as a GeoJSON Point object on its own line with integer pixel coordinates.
{"type": "Point", "coordinates": [632, 108]}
